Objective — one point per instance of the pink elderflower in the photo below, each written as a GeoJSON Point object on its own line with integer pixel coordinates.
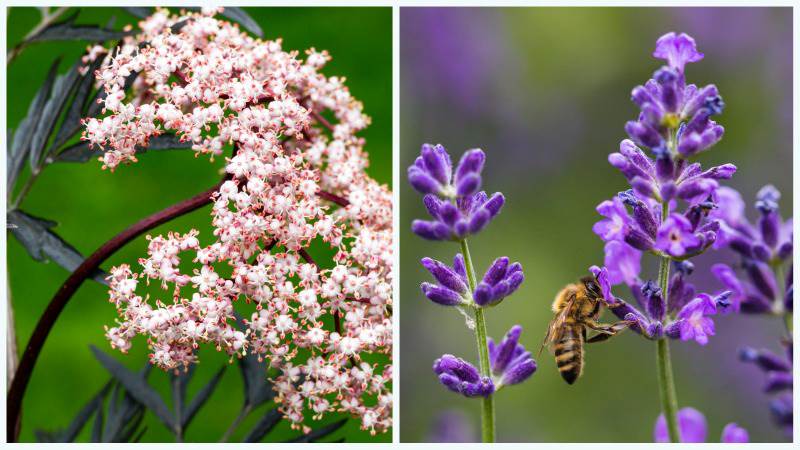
{"type": "Point", "coordinates": [294, 178]}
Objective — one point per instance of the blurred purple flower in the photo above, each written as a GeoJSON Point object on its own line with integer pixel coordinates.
{"type": "Point", "coordinates": [451, 426]}
{"type": "Point", "coordinates": [779, 380]}
{"type": "Point", "coordinates": [693, 428]}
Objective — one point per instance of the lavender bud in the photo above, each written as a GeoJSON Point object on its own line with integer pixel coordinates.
{"type": "Point", "coordinates": [504, 352]}
{"type": "Point", "coordinates": [459, 267]}
{"type": "Point", "coordinates": [778, 381]}
{"type": "Point", "coordinates": [496, 271]}
{"type": "Point", "coordinates": [641, 213]}
{"type": "Point", "coordinates": [479, 220]}
{"type": "Point", "coordinates": [637, 238]}
{"type": "Point", "coordinates": [441, 295]}
{"type": "Point", "coordinates": [785, 250]}
{"type": "Point", "coordinates": [764, 359]}
{"type": "Point", "coordinates": [761, 277]}
{"type": "Point", "coordinates": [434, 231]}
{"type": "Point", "coordinates": [644, 187]}
{"type": "Point", "coordinates": [698, 100]}
{"type": "Point", "coordinates": [437, 163]}
{"type": "Point", "coordinates": [483, 294]}
{"type": "Point", "coordinates": [445, 276]}
{"type": "Point", "coordinates": [449, 213]}
{"type": "Point", "coordinates": [781, 409]}
{"type": "Point", "coordinates": [433, 204]}
{"type": "Point", "coordinates": [643, 134]}
{"type": "Point", "coordinates": [668, 78]}
{"type": "Point", "coordinates": [723, 172]}
{"type": "Point", "coordinates": [495, 203]}
{"type": "Point", "coordinates": [468, 184]}
{"type": "Point", "coordinates": [461, 228]}
{"type": "Point", "coordinates": [761, 252]}
{"type": "Point", "coordinates": [769, 224]}
{"type": "Point", "coordinates": [519, 372]}
{"type": "Point", "coordinates": [640, 95]}
{"type": "Point", "coordinates": [471, 163]}
{"type": "Point", "coordinates": [423, 182]}
{"type": "Point", "coordinates": [654, 305]}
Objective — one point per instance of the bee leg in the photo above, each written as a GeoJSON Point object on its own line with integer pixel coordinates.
{"type": "Point", "coordinates": [604, 330]}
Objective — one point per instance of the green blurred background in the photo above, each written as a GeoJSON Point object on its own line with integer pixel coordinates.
{"type": "Point", "coordinates": [546, 92]}
{"type": "Point", "coordinates": [92, 205]}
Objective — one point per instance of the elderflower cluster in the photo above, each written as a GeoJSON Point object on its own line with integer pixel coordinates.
{"type": "Point", "coordinates": [294, 178]}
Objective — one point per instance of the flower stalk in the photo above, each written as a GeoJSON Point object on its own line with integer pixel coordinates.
{"type": "Point", "coordinates": [487, 403]}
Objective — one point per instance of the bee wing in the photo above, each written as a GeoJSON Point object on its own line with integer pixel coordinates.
{"type": "Point", "coordinates": [555, 328]}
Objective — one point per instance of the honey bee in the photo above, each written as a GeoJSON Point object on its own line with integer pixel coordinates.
{"type": "Point", "coordinates": [577, 307]}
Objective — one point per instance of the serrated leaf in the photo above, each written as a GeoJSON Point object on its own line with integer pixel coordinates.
{"type": "Point", "coordinates": [41, 242]}
{"type": "Point", "coordinates": [319, 433]}
{"type": "Point", "coordinates": [264, 426]}
{"type": "Point", "coordinates": [244, 19]}
{"type": "Point", "coordinates": [81, 153]}
{"type": "Point", "coordinates": [200, 399]}
{"type": "Point", "coordinates": [141, 12]}
{"type": "Point", "coordinates": [137, 387]}
{"type": "Point", "coordinates": [22, 138]}
{"type": "Point", "coordinates": [62, 88]}
{"type": "Point", "coordinates": [66, 30]}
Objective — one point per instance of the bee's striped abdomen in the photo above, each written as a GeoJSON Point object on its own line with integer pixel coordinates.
{"type": "Point", "coordinates": [569, 353]}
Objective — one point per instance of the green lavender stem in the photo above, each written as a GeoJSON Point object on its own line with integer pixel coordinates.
{"type": "Point", "coordinates": [487, 403]}
{"type": "Point", "coordinates": [666, 381]}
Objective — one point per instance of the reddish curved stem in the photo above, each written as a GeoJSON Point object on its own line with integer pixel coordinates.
{"type": "Point", "coordinates": [341, 201]}
{"type": "Point", "coordinates": [62, 297]}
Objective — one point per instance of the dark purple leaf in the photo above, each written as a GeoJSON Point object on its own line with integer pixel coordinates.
{"type": "Point", "coordinates": [264, 426]}
{"type": "Point", "coordinates": [137, 387]}
{"type": "Point", "coordinates": [62, 89]}
{"type": "Point", "coordinates": [41, 242]}
{"type": "Point", "coordinates": [319, 433]}
{"type": "Point", "coordinates": [200, 399]}
{"type": "Point", "coordinates": [66, 30]}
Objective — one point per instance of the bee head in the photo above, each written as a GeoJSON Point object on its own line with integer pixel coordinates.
{"type": "Point", "coordinates": [592, 288]}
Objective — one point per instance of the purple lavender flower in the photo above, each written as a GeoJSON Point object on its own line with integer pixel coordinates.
{"type": "Point", "coordinates": [511, 363]}
{"type": "Point", "coordinates": [693, 428]}
{"type": "Point", "coordinates": [693, 321]}
{"type": "Point", "coordinates": [616, 219]}
{"type": "Point", "coordinates": [676, 317]}
{"type": "Point", "coordinates": [462, 377]}
{"type": "Point", "coordinates": [677, 49]}
{"type": "Point", "coordinates": [667, 176]}
{"type": "Point", "coordinates": [667, 103]}
{"type": "Point", "coordinates": [624, 263]}
{"type": "Point", "coordinates": [779, 381]}
{"type": "Point", "coordinates": [459, 209]}
{"type": "Point", "coordinates": [675, 236]}
{"type": "Point", "coordinates": [457, 206]}
{"type": "Point", "coordinates": [501, 280]}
